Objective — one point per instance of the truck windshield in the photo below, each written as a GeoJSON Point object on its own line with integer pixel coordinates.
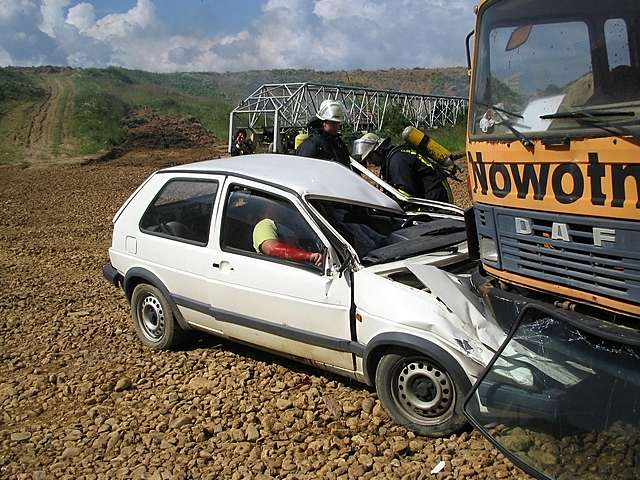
{"type": "Point", "coordinates": [541, 59]}
{"type": "Point", "coordinates": [562, 402]}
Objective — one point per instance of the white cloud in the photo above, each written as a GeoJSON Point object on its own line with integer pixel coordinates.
{"type": "Point", "coordinates": [52, 16]}
{"type": "Point", "coordinates": [5, 58]}
{"type": "Point", "coordinates": [121, 25]}
{"type": "Point", "coordinates": [320, 34]}
{"type": "Point", "coordinates": [82, 16]}
{"type": "Point", "coordinates": [9, 9]}
{"type": "Point", "coordinates": [341, 10]}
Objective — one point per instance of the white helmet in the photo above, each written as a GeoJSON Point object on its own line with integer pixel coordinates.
{"type": "Point", "coordinates": [366, 144]}
{"type": "Point", "coordinates": [332, 111]}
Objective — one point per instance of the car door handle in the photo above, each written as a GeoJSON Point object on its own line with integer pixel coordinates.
{"type": "Point", "coordinates": [223, 266]}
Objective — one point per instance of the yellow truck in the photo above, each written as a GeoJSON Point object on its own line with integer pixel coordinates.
{"type": "Point", "coordinates": [554, 148]}
{"type": "Point", "coordinates": [553, 156]}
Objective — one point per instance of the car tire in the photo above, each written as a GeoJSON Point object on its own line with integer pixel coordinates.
{"type": "Point", "coordinates": [153, 318]}
{"type": "Point", "coordinates": [419, 394]}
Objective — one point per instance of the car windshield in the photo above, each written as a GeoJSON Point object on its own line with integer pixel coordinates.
{"type": "Point", "coordinates": [538, 60]}
{"type": "Point", "coordinates": [380, 236]}
{"type": "Point", "coordinates": [563, 402]}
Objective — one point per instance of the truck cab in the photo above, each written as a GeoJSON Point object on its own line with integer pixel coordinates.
{"type": "Point", "coordinates": [554, 149]}
{"type": "Point", "coordinates": [553, 153]}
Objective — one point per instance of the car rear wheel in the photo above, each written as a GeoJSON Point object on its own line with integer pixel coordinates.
{"type": "Point", "coordinates": [153, 318]}
{"type": "Point", "coordinates": [419, 394]}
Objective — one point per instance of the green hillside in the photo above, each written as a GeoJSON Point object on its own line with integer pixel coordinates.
{"type": "Point", "coordinates": [103, 96]}
{"type": "Point", "coordinates": [47, 112]}
{"type": "Point", "coordinates": [19, 95]}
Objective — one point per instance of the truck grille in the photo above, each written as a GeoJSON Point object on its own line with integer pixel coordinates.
{"type": "Point", "coordinates": [612, 269]}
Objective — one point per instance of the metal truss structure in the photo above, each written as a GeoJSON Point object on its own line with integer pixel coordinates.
{"type": "Point", "coordinates": [283, 108]}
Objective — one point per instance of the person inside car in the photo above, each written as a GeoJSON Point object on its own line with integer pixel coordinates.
{"type": "Point", "coordinates": [268, 241]}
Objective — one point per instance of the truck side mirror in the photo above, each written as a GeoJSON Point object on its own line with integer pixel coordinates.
{"type": "Point", "coordinates": [469, 35]}
{"type": "Point", "coordinates": [561, 396]}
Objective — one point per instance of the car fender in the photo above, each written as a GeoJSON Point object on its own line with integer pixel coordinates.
{"type": "Point", "coordinates": [397, 340]}
{"type": "Point", "coordinates": [129, 283]}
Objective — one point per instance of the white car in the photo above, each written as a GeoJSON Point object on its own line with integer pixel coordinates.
{"type": "Point", "coordinates": [361, 297]}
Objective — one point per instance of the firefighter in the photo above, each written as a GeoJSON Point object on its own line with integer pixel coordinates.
{"type": "Point", "coordinates": [325, 142]}
{"type": "Point", "coordinates": [241, 145]}
{"type": "Point", "coordinates": [404, 168]}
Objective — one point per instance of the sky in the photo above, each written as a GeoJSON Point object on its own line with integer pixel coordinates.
{"type": "Point", "coordinates": [235, 35]}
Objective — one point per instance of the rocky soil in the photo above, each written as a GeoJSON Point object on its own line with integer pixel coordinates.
{"type": "Point", "coordinates": [617, 450]}
{"type": "Point", "coordinates": [148, 129]}
{"type": "Point", "coordinates": [80, 397]}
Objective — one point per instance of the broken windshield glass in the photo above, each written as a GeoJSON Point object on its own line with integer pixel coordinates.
{"type": "Point", "coordinates": [562, 401]}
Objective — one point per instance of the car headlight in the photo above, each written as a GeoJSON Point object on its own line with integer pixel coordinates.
{"type": "Point", "coordinates": [488, 250]}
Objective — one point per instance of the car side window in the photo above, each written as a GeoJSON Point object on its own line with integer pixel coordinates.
{"type": "Point", "coordinates": [253, 220]}
{"type": "Point", "coordinates": [182, 210]}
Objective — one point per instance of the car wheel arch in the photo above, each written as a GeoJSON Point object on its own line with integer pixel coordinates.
{"type": "Point", "coordinates": [136, 275]}
{"type": "Point", "coordinates": [384, 343]}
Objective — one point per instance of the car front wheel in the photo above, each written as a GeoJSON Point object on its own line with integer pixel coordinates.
{"type": "Point", "coordinates": [153, 318]}
{"type": "Point", "coordinates": [419, 394]}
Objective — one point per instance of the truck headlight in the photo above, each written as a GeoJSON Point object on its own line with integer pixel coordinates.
{"type": "Point", "coordinates": [488, 250]}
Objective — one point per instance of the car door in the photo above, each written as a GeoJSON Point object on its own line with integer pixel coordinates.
{"type": "Point", "coordinates": [174, 239]}
{"type": "Point", "coordinates": [288, 306]}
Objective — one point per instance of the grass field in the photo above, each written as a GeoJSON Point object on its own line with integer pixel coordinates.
{"type": "Point", "coordinates": [103, 97]}
{"type": "Point", "coordinates": [453, 138]}
{"type": "Point", "coordinates": [19, 95]}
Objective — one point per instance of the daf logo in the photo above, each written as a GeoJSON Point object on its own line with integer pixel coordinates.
{"type": "Point", "coordinates": [560, 231]}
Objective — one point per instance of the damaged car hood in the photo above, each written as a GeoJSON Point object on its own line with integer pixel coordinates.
{"type": "Point", "coordinates": [435, 305]}
{"type": "Point", "coordinates": [467, 306]}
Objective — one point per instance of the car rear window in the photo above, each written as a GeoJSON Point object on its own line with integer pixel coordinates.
{"type": "Point", "coordinates": [182, 210]}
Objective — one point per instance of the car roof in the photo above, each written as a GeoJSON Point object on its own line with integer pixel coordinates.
{"type": "Point", "coordinates": [308, 177]}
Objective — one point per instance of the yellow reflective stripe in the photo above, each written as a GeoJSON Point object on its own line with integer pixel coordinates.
{"type": "Point", "coordinates": [420, 157]}
{"type": "Point", "coordinates": [429, 164]}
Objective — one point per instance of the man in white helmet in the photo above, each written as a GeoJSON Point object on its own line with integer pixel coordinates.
{"type": "Point", "coordinates": [325, 142]}
{"type": "Point", "coordinates": [404, 167]}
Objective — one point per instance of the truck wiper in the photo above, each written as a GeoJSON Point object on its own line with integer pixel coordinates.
{"type": "Point", "coordinates": [589, 114]}
{"type": "Point", "coordinates": [528, 144]}
{"type": "Point", "coordinates": [593, 120]}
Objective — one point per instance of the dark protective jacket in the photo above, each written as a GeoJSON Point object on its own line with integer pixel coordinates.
{"type": "Point", "coordinates": [241, 148]}
{"type": "Point", "coordinates": [325, 147]}
{"type": "Point", "coordinates": [414, 174]}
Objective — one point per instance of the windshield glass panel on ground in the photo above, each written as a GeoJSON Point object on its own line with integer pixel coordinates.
{"type": "Point", "coordinates": [563, 402]}
{"type": "Point", "coordinates": [581, 57]}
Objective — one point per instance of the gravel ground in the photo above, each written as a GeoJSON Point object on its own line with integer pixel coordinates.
{"type": "Point", "coordinates": [80, 397]}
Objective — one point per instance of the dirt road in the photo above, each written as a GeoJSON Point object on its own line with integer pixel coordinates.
{"type": "Point", "coordinates": [48, 131]}
{"type": "Point", "coordinates": [80, 396]}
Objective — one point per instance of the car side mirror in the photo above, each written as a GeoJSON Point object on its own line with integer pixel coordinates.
{"type": "Point", "coordinates": [561, 385]}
